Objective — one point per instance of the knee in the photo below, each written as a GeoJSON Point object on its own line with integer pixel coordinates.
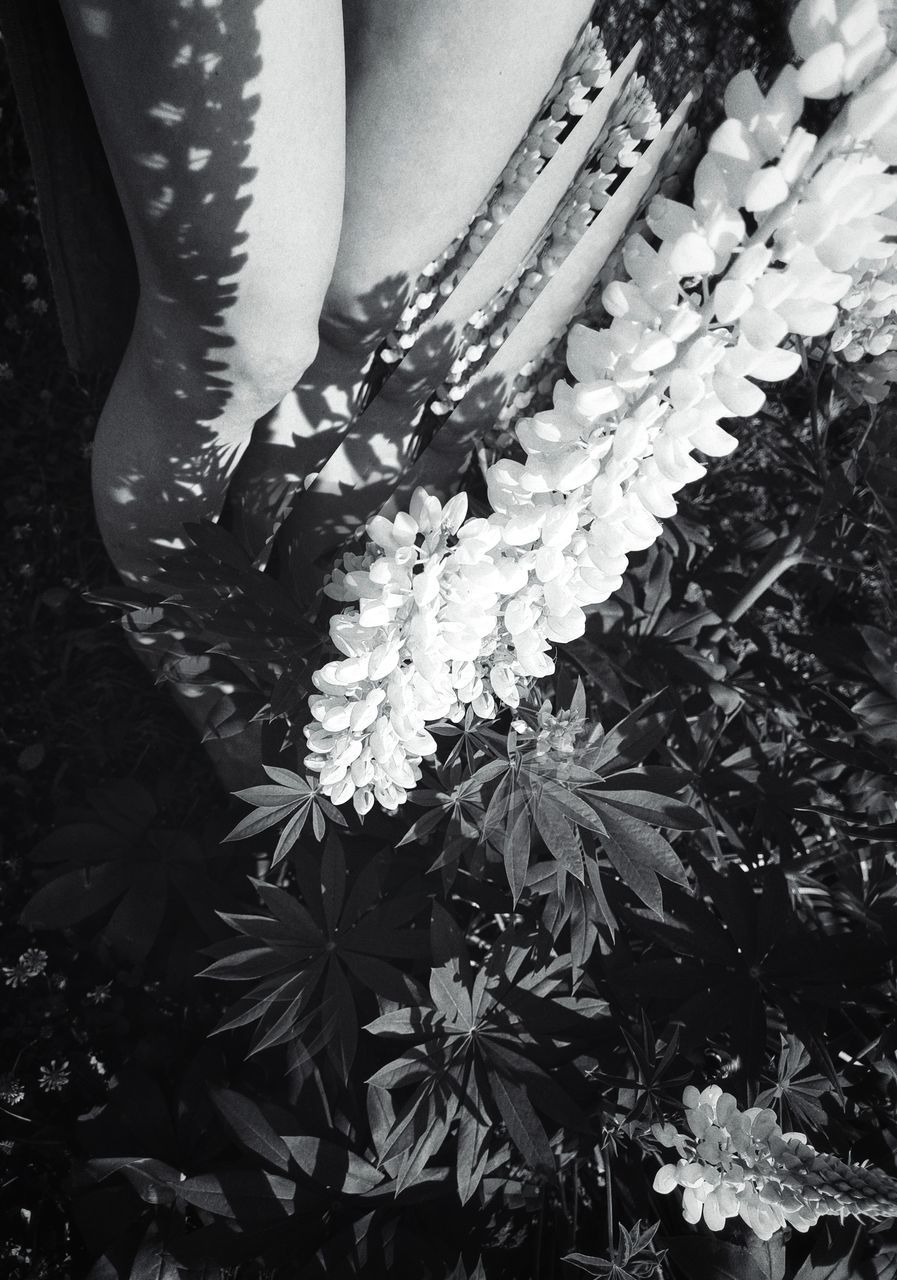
{"type": "Point", "coordinates": [247, 359]}
{"type": "Point", "coordinates": [272, 341]}
{"type": "Point", "coordinates": [266, 362]}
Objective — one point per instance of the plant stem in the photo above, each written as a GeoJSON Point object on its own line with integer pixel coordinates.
{"type": "Point", "coordinates": [609, 1198]}
{"type": "Point", "coordinates": [781, 557]}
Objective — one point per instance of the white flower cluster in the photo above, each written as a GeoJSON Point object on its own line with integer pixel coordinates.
{"type": "Point", "coordinates": [740, 1164]}
{"type": "Point", "coordinates": [867, 325]}
{"type": "Point", "coordinates": [839, 42]}
{"type": "Point", "coordinates": [865, 338]}
{"type": "Point", "coordinates": [586, 70]}
{"type": "Point", "coordinates": [781, 226]}
{"type": "Point", "coordinates": [421, 643]}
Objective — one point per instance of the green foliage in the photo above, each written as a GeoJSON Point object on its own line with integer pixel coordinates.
{"type": "Point", "coordinates": [451, 1035]}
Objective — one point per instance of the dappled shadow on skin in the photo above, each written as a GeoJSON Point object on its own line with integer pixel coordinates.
{"type": "Point", "coordinates": [295, 440]}
{"type": "Point", "coordinates": [186, 176]}
{"type": "Point", "coordinates": [436, 453]}
{"type": "Point", "coordinates": [379, 452]}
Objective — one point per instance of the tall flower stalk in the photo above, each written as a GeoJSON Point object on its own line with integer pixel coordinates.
{"type": "Point", "coordinates": [444, 613]}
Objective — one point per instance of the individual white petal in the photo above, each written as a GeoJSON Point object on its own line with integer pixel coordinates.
{"type": "Point", "coordinates": [655, 351]}
{"type": "Point", "coordinates": [340, 791]}
{"type": "Point", "coordinates": [630, 440]}
{"type": "Point", "coordinates": [656, 496]}
{"type": "Point", "coordinates": [743, 98]}
{"type": "Point", "coordinates": [765, 190]}
{"type": "Point", "coordinates": [596, 399]}
{"type": "Point", "coordinates": [777, 364]}
{"type": "Point", "coordinates": [811, 319]}
{"type": "Point", "coordinates": [691, 255]}
{"type": "Point", "coordinates": [763, 327]}
{"type": "Point", "coordinates": [741, 398]}
{"type": "Point", "coordinates": [798, 150]}
{"type": "Point", "coordinates": [731, 298]}
{"type": "Point", "coordinates": [686, 389]}
{"type": "Point", "coordinates": [338, 716]}
{"type": "Point", "coordinates": [564, 627]}
{"type": "Point", "coordinates": [711, 439]}
{"type": "Point", "coordinates": [363, 800]}
{"type": "Point", "coordinates": [713, 1214]}
{"type": "Point", "coordinates": [860, 59]}
{"type": "Point", "coordinates": [373, 613]}
{"type": "Point", "coordinates": [454, 512]}
{"type": "Point", "coordinates": [812, 24]}
{"type": "Point", "coordinates": [521, 530]}
{"type": "Point", "coordinates": [666, 1179]}
{"type": "Point", "coordinates": [606, 496]}
{"type": "Point", "coordinates": [822, 75]}
{"type": "Point", "coordinates": [504, 685]}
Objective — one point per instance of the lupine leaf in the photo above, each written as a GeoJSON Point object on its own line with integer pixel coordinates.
{"type": "Point", "coordinates": [644, 844]}
{"type": "Point", "coordinates": [516, 850]}
{"type": "Point", "coordinates": [250, 1127]}
{"type": "Point", "coordinates": [241, 1194]}
{"type": "Point", "coordinates": [261, 820]}
{"type": "Point", "coordinates": [649, 806]}
{"type": "Point", "coordinates": [291, 833]}
{"type": "Point", "coordinates": [401, 1071]}
{"type": "Point", "coordinates": [524, 1127]}
{"type": "Point", "coordinates": [450, 996]}
{"type": "Point", "coordinates": [473, 1133]}
{"type": "Point", "coordinates": [634, 874]}
{"type": "Point", "coordinates": [416, 1157]}
{"type": "Point", "coordinates": [331, 1165]}
{"type": "Point", "coordinates": [630, 741]}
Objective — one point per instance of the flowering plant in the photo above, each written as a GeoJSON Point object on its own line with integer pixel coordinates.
{"type": "Point", "coordinates": [740, 1163]}
{"type": "Point", "coordinates": [615, 828]}
{"type": "Point", "coordinates": [446, 613]}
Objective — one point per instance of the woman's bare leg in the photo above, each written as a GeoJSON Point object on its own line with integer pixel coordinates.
{"type": "Point", "coordinates": [224, 124]}
{"type": "Point", "coordinates": [439, 95]}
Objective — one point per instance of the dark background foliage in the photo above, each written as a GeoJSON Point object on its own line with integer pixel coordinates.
{"type": "Point", "coordinates": [132, 1135]}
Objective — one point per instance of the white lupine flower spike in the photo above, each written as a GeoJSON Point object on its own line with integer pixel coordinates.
{"type": "Point", "coordinates": [735, 1163]}
{"type": "Point", "coordinates": [444, 613]}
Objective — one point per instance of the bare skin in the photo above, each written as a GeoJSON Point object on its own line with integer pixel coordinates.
{"type": "Point", "coordinates": [277, 219]}
{"type": "Point", "coordinates": [438, 97]}
{"type": "Point", "coordinates": [199, 106]}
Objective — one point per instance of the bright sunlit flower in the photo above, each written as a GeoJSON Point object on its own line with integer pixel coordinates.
{"type": "Point", "coordinates": [735, 1163]}
{"type": "Point", "coordinates": [787, 235]}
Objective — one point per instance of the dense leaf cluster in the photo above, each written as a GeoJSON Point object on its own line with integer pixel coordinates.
{"type": "Point", "coordinates": [678, 867]}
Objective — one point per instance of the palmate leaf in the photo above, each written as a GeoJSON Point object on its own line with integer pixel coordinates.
{"type": "Point", "coordinates": [632, 1258]}
{"type": "Point", "coordinates": [629, 742]}
{"type": "Point", "coordinates": [290, 799]}
{"type": "Point", "coordinates": [771, 959]}
{"type": "Point", "coordinates": [315, 957]}
{"type": "Point", "coordinates": [574, 808]}
{"type": "Point", "coordinates": [640, 854]}
{"type": "Point", "coordinates": [478, 1036]}
{"type": "Point", "coordinates": [798, 1090]}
